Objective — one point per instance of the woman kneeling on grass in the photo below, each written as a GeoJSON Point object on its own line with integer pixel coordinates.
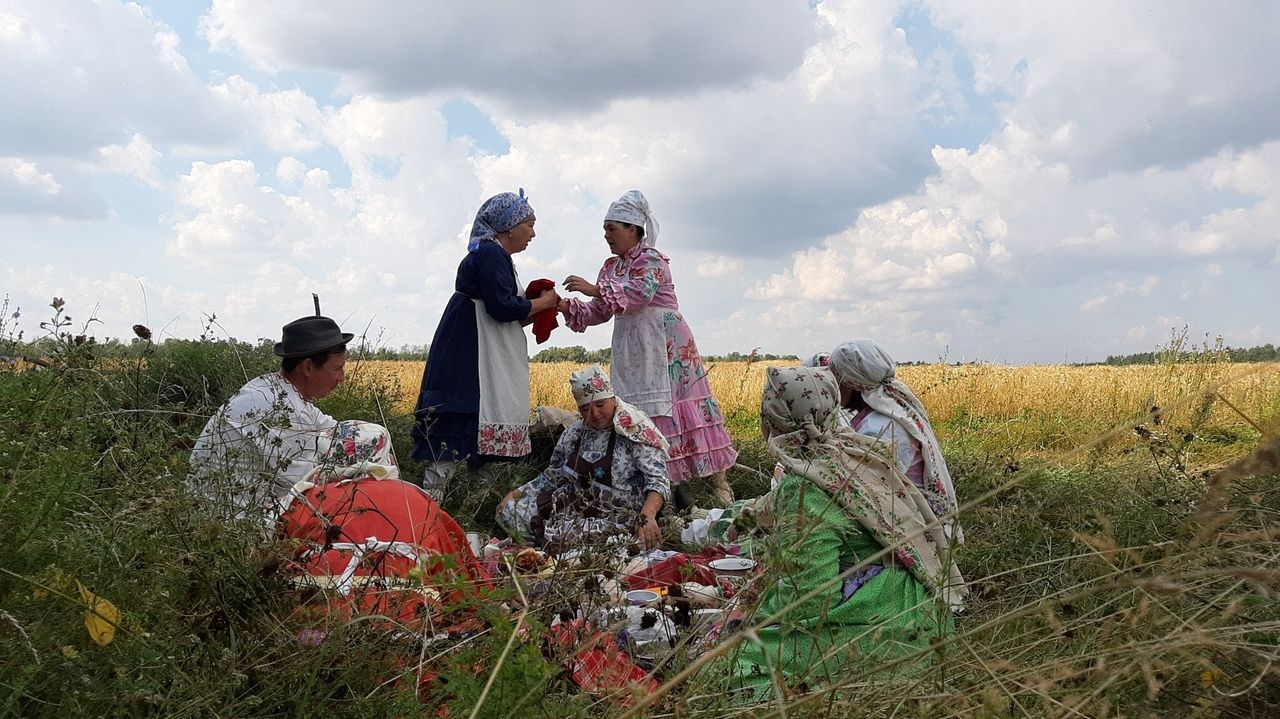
{"type": "Point", "coordinates": [607, 477]}
{"type": "Point", "coordinates": [840, 597]}
{"type": "Point", "coordinates": [369, 543]}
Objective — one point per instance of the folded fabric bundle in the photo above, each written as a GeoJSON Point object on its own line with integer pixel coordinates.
{"type": "Point", "coordinates": [544, 321]}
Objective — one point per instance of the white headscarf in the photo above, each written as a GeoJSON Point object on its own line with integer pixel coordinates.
{"type": "Point", "coordinates": [633, 209]}
{"type": "Point", "coordinates": [821, 359]}
{"type": "Point", "coordinates": [863, 366]}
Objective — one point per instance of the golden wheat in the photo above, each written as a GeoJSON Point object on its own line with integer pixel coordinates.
{"type": "Point", "coordinates": [1035, 407]}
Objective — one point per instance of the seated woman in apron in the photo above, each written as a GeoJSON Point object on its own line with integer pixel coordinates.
{"type": "Point", "coordinates": [607, 477]}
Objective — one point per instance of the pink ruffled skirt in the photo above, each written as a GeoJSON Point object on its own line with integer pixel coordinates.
{"type": "Point", "coordinates": [700, 445]}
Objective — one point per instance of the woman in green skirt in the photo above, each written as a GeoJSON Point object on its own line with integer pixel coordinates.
{"type": "Point", "coordinates": [861, 571]}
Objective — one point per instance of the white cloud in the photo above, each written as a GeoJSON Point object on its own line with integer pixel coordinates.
{"type": "Point", "coordinates": [714, 266]}
{"type": "Point", "coordinates": [136, 159]}
{"type": "Point", "coordinates": [56, 190]}
{"type": "Point", "coordinates": [1119, 86]}
{"type": "Point", "coordinates": [757, 170]}
{"type": "Point", "coordinates": [289, 170]}
{"type": "Point", "coordinates": [77, 77]}
{"type": "Point", "coordinates": [287, 121]}
{"type": "Point", "coordinates": [27, 175]}
{"type": "Point", "coordinates": [1120, 290]}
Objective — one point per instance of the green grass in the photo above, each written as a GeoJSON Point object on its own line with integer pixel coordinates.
{"type": "Point", "coordinates": [1107, 583]}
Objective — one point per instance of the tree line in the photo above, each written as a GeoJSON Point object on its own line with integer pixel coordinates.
{"type": "Point", "coordinates": [1261, 353]}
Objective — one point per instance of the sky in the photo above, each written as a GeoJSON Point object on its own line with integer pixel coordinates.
{"type": "Point", "coordinates": [991, 180]}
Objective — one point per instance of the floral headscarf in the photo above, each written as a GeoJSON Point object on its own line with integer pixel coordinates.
{"type": "Point", "coordinates": [863, 366]}
{"type": "Point", "coordinates": [633, 209]}
{"type": "Point", "coordinates": [498, 214]}
{"type": "Point", "coordinates": [629, 421]}
{"type": "Point", "coordinates": [356, 450]}
{"type": "Point", "coordinates": [799, 406]}
{"type": "Point", "coordinates": [590, 384]}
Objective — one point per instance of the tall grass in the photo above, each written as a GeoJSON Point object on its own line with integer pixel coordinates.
{"type": "Point", "coordinates": [1117, 568]}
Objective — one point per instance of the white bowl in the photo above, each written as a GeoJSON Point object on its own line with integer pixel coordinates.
{"type": "Point", "coordinates": [642, 597]}
{"type": "Point", "coordinates": [732, 566]}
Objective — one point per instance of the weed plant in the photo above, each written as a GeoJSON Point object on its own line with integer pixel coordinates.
{"type": "Point", "coordinates": [1133, 574]}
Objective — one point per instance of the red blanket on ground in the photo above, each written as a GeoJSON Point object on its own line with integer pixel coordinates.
{"type": "Point", "coordinates": [544, 321]}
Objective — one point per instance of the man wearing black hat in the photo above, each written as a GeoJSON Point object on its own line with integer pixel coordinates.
{"type": "Point", "coordinates": [266, 437]}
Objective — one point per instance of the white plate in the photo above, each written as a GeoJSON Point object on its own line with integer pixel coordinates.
{"type": "Point", "coordinates": [732, 564]}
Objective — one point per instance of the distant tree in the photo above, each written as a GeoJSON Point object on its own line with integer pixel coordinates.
{"type": "Point", "coordinates": [577, 353]}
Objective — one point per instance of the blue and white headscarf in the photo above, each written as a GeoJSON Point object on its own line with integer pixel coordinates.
{"type": "Point", "coordinates": [498, 214]}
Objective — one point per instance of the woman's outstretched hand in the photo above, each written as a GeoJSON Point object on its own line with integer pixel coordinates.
{"type": "Point", "coordinates": [574, 283]}
{"type": "Point", "coordinates": [648, 533]}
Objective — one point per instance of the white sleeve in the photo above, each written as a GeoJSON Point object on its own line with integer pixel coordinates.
{"type": "Point", "coordinates": [905, 447]}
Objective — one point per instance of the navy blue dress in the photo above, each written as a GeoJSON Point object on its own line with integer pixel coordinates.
{"type": "Point", "coordinates": [446, 418]}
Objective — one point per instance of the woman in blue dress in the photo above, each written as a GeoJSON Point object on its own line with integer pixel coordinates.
{"type": "Point", "coordinates": [474, 402]}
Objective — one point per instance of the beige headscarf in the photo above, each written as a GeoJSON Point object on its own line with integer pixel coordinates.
{"type": "Point", "coordinates": [863, 366]}
{"type": "Point", "coordinates": [633, 209]}
{"type": "Point", "coordinates": [799, 407]}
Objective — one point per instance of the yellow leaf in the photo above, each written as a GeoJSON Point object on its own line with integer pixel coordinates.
{"type": "Point", "coordinates": [1210, 677]}
{"type": "Point", "coordinates": [70, 652]}
{"type": "Point", "coordinates": [100, 618]}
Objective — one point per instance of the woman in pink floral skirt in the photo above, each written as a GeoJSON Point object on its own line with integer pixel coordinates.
{"type": "Point", "coordinates": [655, 364]}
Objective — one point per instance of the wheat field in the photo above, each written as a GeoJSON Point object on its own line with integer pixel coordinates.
{"type": "Point", "coordinates": [1037, 407]}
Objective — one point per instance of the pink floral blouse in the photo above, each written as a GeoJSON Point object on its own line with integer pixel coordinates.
{"type": "Point", "coordinates": [636, 281]}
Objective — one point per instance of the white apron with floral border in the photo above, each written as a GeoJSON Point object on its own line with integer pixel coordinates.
{"type": "Point", "coordinates": [504, 385]}
{"type": "Point", "coordinates": [639, 367]}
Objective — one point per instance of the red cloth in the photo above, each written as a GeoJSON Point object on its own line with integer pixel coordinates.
{"type": "Point", "coordinates": [676, 569]}
{"type": "Point", "coordinates": [386, 582]}
{"type": "Point", "coordinates": [597, 665]}
{"type": "Point", "coordinates": [544, 321]}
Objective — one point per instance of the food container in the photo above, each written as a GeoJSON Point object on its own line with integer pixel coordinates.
{"type": "Point", "coordinates": [642, 597]}
{"type": "Point", "coordinates": [732, 566]}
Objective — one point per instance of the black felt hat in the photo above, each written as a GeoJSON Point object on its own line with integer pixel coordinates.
{"type": "Point", "coordinates": [306, 336]}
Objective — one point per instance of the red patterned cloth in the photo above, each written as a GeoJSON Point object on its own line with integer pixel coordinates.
{"type": "Point", "coordinates": [544, 321]}
{"type": "Point", "coordinates": [596, 664]}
